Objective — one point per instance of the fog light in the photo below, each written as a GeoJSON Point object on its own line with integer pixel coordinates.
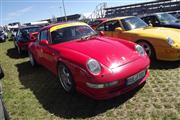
{"type": "Point", "coordinates": [105, 85]}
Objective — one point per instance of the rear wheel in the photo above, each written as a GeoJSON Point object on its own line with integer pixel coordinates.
{"type": "Point", "coordinates": [65, 78]}
{"type": "Point", "coordinates": [148, 48]}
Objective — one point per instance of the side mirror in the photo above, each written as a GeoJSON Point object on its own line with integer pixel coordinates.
{"type": "Point", "coordinates": [43, 42]}
{"type": "Point", "coordinates": [101, 33]}
{"type": "Point", "coordinates": [33, 36]}
{"type": "Point", "coordinates": [119, 29]}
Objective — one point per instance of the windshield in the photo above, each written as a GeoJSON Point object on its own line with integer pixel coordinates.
{"type": "Point", "coordinates": [166, 18]}
{"type": "Point", "coordinates": [23, 34]}
{"type": "Point", "coordinates": [29, 30]}
{"type": "Point", "coordinates": [71, 33]}
{"type": "Point", "coordinates": [133, 23]}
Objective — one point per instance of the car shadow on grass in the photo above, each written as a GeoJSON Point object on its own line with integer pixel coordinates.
{"type": "Point", "coordinates": [47, 90]}
{"type": "Point", "coordinates": [12, 53]}
{"type": "Point", "coordinates": [157, 64]}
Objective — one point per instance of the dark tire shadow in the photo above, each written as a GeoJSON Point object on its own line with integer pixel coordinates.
{"type": "Point", "coordinates": [156, 64]}
{"type": "Point", "coordinates": [10, 39]}
{"type": "Point", "coordinates": [47, 90]}
{"type": "Point", "coordinates": [1, 41]}
{"type": "Point", "coordinates": [12, 53]}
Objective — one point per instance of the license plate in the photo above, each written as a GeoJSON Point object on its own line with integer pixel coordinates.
{"type": "Point", "coordinates": [136, 77]}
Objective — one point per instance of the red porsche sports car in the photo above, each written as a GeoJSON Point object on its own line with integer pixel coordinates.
{"type": "Point", "coordinates": [97, 66]}
{"type": "Point", "coordinates": [24, 36]}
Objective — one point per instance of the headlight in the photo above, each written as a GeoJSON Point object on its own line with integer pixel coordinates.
{"type": "Point", "coordinates": [140, 50]}
{"type": "Point", "coordinates": [170, 41]}
{"type": "Point", "coordinates": [93, 66]}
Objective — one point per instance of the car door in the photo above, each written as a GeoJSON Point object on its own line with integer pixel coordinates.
{"type": "Point", "coordinates": [38, 48]}
{"type": "Point", "coordinates": [123, 34]}
{"type": "Point", "coordinates": [48, 54]}
{"type": "Point", "coordinates": [108, 28]}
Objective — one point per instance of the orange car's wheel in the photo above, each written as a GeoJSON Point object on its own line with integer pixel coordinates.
{"type": "Point", "coordinates": [148, 48]}
{"type": "Point", "coordinates": [65, 78]}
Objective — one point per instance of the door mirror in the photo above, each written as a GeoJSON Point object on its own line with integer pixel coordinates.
{"type": "Point", "coordinates": [33, 36]}
{"type": "Point", "coordinates": [43, 42]}
{"type": "Point", "coordinates": [119, 29]}
{"type": "Point", "coordinates": [101, 33]}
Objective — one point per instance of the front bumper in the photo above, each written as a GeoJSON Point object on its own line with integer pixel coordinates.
{"type": "Point", "coordinates": [116, 90]}
{"type": "Point", "coordinates": [2, 38]}
{"type": "Point", "coordinates": [107, 93]}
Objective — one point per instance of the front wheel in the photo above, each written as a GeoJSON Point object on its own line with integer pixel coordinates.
{"type": "Point", "coordinates": [148, 48]}
{"type": "Point", "coordinates": [65, 78]}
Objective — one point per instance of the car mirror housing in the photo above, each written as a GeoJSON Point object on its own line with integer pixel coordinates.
{"type": "Point", "coordinates": [43, 42]}
{"type": "Point", "coordinates": [119, 29]}
{"type": "Point", "coordinates": [33, 36]}
{"type": "Point", "coordinates": [101, 33]}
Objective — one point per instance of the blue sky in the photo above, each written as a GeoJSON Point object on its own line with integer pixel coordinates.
{"type": "Point", "coordinates": [34, 10]}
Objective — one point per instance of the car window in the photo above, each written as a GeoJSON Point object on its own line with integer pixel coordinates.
{"type": "Point", "coordinates": [71, 33]}
{"type": "Point", "coordinates": [133, 23]}
{"type": "Point", "coordinates": [100, 28]}
{"type": "Point", "coordinates": [166, 18]}
{"type": "Point", "coordinates": [146, 19]}
{"type": "Point", "coordinates": [112, 25]}
{"type": "Point", "coordinates": [43, 35]}
{"type": "Point", "coordinates": [152, 20]}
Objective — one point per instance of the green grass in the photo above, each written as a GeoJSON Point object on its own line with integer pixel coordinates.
{"type": "Point", "coordinates": [34, 94]}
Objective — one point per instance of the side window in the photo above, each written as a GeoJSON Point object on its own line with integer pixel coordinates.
{"type": "Point", "coordinates": [146, 19]}
{"type": "Point", "coordinates": [153, 20]}
{"type": "Point", "coordinates": [100, 28]}
{"type": "Point", "coordinates": [112, 25]}
{"type": "Point", "coordinates": [43, 35]}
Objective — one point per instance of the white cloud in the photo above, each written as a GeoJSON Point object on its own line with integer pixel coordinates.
{"type": "Point", "coordinates": [87, 14]}
{"type": "Point", "coordinates": [18, 13]}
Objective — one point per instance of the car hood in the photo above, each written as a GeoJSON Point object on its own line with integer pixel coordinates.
{"type": "Point", "coordinates": [108, 52]}
{"type": "Point", "coordinates": [159, 33]}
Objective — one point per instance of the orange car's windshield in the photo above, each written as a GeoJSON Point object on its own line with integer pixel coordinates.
{"type": "Point", "coordinates": [71, 33]}
{"type": "Point", "coordinates": [166, 18]}
{"type": "Point", "coordinates": [133, 23]}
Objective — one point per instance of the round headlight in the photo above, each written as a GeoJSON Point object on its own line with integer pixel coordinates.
{"type": "Point", "coordinates": [170, 41]}
{"type": "Point", "coordinates": [93, 66]}
{"type": "Point", "coordinates": [140, 50]}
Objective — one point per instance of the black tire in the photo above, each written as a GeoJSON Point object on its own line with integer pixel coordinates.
{"type": "Point", "coordinates": [65, 78]}
{"type": "Point", "coordinates": [148, 48]}
{"type": "Point", "coordinates": [32, 59]}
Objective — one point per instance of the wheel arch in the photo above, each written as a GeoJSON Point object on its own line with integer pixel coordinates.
{"type": "Point", "coordinates": [150, 43]}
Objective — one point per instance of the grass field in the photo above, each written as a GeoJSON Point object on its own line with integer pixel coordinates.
{"type": "Point", "coordinates": [34, 94]}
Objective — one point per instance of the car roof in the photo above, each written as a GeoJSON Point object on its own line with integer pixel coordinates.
{"type": "Point", "coordinates": [119, 18]}
{"type": "Point", "coordinates": [101, 19]}
{"type": "Point", "coordinates": [152, 14]}
{"type": "Point", "coordinates": [62, 23]}
{"type": "Point", "coordinates": [24, 27]}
